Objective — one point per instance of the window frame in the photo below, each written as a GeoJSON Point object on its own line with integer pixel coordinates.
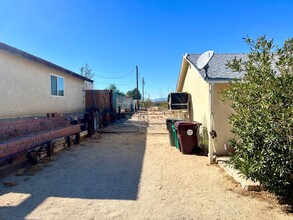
{"type": "Point", "coordinates": [57, 76]}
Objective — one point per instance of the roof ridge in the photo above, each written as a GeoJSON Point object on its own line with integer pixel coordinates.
{"type": "Point", "coordinates": [217, 70]}
{"type": "Point", "coordinates": [233, 53]}
{"type": "Point", "coordinates": [220, 53]}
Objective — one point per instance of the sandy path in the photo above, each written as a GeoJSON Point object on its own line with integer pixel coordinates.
{"type": "Point", "coordinates": [130, 176]}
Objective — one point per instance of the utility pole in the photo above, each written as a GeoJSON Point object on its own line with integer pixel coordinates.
{"type": "Point", "coordinates": [143, 89]}
{"type": "Point", "coordinates": [137, 105]}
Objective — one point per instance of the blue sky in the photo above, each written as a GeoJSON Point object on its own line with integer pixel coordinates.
{"type": "Point", "coordinates": [113, 36]}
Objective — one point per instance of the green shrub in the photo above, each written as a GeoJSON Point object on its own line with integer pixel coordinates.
{"type": "Point", "coordinates": [146, 104]}
{"type": "Point", "coordinates": [263, 115]}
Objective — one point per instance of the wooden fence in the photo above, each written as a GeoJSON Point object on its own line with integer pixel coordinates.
{"type": "Point", "coordinates": [99, 100]}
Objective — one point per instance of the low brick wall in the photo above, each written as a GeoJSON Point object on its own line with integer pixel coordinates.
{"type": "Point", "coordinates": [20, 135]}
{"type": "Point", "coordinates": [16, 127]}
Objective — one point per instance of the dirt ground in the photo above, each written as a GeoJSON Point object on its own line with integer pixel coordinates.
{"type": "Point", "coordinates": [127, 173]}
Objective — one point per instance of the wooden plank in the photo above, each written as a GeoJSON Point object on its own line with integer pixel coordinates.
{"type": "Point", "coordinates": [100, 100]}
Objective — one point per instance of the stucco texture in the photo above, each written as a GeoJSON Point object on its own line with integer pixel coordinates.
{"type": "Point", "coordinates": [199, 91]}
{"type": "Point", "coordinates": [206, 109]}
{"type": "Point", "coordinates": [26, 88]}
{"type": "Point", "coordinates": [221, 112]}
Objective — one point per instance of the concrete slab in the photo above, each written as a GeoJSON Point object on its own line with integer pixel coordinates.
{"type": "Point", "coordinates": [123, 126]}
{"type": "Point", "coordinates": [247, 184]}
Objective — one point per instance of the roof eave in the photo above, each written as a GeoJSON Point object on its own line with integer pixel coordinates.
{"type": "Point", "coordinates": [219, 80]}
{"type": "Point", "coordinates": [182, 73]}
{"type": "Point", "coordinates": [26, 55]}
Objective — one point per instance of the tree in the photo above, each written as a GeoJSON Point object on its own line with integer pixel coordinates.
{"type": "Point", "coordinates": [147, 103]}
{"type": "Point", "coordinates": [86, 71]}
{"type": "Point", "coordinates": [263, 115]}
{"type": "Point", "coordinates": [132, 94]}
{"type": "Point", "coordinates": [114, 89]}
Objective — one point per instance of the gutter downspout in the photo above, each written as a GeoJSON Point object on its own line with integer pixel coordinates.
{"type": "Point", "coordinates": [211, 141]}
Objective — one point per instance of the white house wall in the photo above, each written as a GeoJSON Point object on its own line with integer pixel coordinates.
{"type": "Point", "coordinates": [124, 103]}
{"type": "Point", "coordinates": [200, 108]}
{"type": "Point", "coordinates": [25, 88]}
{"type": "Point", "coordinates": [199, 90]}
{"type": "Point", "coordinates": [221, 111]}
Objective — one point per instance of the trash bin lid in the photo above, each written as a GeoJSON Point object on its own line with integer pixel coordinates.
{"type": "Point", "coordinates": [173, 119]}
{"type": "Point", "coordinates": [186, 123]}
{"type": "Point", "coordinates": [170, 122]}
{"type": "Point", "coordinates": [184, 126]}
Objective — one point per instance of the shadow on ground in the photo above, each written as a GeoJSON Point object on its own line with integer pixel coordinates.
{"type": "Point", "coordinates": [105, 168]}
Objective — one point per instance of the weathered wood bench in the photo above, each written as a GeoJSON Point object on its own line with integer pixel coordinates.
{"type": "Point", "coordinates": [24, 135]}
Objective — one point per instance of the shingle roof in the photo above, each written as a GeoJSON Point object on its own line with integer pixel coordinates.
{"type": "Point", "coordinates": [39, 60]}
{"type": "Point", "coordinates": [217, 66]}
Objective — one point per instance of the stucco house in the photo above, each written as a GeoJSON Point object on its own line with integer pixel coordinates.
{"type": "Point", "coordinates": [30, 85]}
{"type": "Point", "coordinates": [125, 103]}
{"type": "Point", "coordinates": [206, 107]}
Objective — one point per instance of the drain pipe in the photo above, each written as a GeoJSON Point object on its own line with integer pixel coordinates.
{"type": "Point", "coordinates": [211, 141]}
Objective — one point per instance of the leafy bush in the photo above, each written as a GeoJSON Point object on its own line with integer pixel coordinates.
{"type": "Point", "coordinates": [263, 115]}
{"type": "Point", "coordinates": [146, 103]}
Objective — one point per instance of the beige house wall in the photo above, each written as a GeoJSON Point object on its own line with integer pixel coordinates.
{"type": "Point", "coordinates": [221, 111]}
{"type": "Point", "coordinates": [200, 105]}
{"type": "Point", "coordinates": [25, 88]}
{"type": "Point", "coordinates": [208, 109]}
{"type": "Point", "coordinates": [199, 90]}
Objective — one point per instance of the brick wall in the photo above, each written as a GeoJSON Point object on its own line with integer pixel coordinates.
{"type": "Point", "coordinates": [16, 127]}
{"type": "Point", "coordinates": [22, 134]}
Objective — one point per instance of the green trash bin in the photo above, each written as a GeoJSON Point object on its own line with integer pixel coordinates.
{"type": "Point", "coordinates": [169, 125]}
{"type": "Point", "coordinates": [176, 141]}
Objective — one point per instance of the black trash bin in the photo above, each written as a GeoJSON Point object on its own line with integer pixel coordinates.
{"type": "Point", "coordinates": [187, 135]}
{"type": "Point", "coordinates": [169, 123]}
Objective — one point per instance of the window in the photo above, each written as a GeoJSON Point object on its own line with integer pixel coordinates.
{"type": "Point", "coordinates": [57, 85]}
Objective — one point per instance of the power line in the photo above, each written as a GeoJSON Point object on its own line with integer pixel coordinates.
{"type": "Point", "coordinates": [154, 86]}
{"type": "Point", "coordinates": [115, 77]}
{"type": "Point", "coordinates": [115, 83]}
{"type": "Point", "coordinates": [152, 75]}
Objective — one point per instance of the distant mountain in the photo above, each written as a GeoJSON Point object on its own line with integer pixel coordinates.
{"type": "Point", "coordinates": [159, 99]}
